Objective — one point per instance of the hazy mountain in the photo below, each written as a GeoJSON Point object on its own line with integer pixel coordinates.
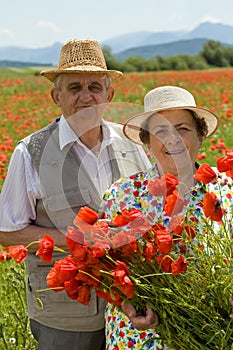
{"type": "Point", "coordinates": [181, 47]}
{"type": "Point", "coordinates": [214, 31]}
{"type": "Point", "coordinates": [127, 41]}
{"type": "Point", "coordinates": [46, 55]}
{"type": "Point", "coordinates": [207, 30]}
{"type": "Point", "coordinates": [145, 43]}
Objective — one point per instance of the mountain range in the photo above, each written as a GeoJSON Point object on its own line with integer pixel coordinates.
{"type": "Point", "coordinates": [145, 44]}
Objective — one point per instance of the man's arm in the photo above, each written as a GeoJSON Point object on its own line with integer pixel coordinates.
{"type": "Point", "coordinates": [31, 234]}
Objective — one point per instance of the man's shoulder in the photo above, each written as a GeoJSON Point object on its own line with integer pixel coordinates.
{"type": "Point", "coordinates": [41, 133]}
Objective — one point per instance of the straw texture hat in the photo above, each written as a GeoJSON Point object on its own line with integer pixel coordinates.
{"type": "Point", "coordinates": [81, 56]}
{"type": "Point", "coordinates": [167, 98]}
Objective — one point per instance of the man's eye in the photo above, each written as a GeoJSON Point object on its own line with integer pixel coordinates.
{"type": "Point", "coordinates": [95, 88]}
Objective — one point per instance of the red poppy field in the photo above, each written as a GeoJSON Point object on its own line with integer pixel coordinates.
{"type": "Point", "coordinates": [26, 106]}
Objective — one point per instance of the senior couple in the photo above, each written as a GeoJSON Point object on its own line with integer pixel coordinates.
{"type": "Point", "coordinates": [71, 163]}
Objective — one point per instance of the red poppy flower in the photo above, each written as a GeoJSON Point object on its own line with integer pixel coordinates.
{"type": "Point", "coordinates": [164, 186]}
{"type": "Point", "coordinates": [178, 266]}
{"type": "Point", "coordinates": [45, 250]}
{"type": "Point", "coordinates": [127, 287]}
{"type": "Point", "coordinates": [113, 298]}
{"type": "Point", "coordinates": [71, 288]}
{"type": "Point", "coordinates": [17, 252]}
{"type": "Point", "coordinates": [205, 174]}
{"type": "Point", "coordinates": [84, 294]}
{"type": "Point", "coordinates": [164, 241]}
{"type": "Point", "coordinates": [149, 251]}
{"type": "Point", "coordinates": [127, 216]}
{"type": "Point", "coordinates": [87, 215]}
{"type": "Point", "coordinates": [164, 262]}
{"type": "Point", "coordinates": [73, 236]}
{"type": "Point", "coordinates": [119, 239]}
{"type": "Point", "coordinates": [174, 204]}
{"type": "Point", "coordinates": [63, 270]}
{"type": "Point", "coordinates": [225, 163]}
{"type": "Point", "coordinates": [212, 208]}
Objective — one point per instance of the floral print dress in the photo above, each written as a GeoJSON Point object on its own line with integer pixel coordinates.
{"type": "Point", "coordinates": [132, 192]}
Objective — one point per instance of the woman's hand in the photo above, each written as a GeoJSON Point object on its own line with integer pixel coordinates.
{"type": "Point", "coordinates": [140, 322]}
{"type": "Point", "coordinates": [222, 178]}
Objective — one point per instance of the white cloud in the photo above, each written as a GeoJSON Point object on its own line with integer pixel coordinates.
{"type": "Point", "coordinates": [210, 19]}
{"type": "Point", "coordinates": [49, 25]}
{"type": "Point", "coordinates": [6, 32]}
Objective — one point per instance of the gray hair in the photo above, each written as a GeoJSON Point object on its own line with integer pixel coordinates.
{"type": "Point", "coordinates": [58, 81]}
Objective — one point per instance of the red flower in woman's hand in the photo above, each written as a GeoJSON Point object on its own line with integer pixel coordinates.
{"type": "Point", "coordinates": [45, 250]}
{"type": "Point", "coordinates": [225, 163]}
{"type": "Point", "coordinates": [178, 266]}
{"type": "Point", "coordinates": [174, 204]}
{"type": "Point", "coordinates": [164, 186]}
{"type": "Point", "coordinates": [212, 207]}
{"type": "Point", "coordinates": [126, 216]}
{"type": "Point", "coordinates": [205, 174]}
{"type": "Point", "coordinates": [164, 241]}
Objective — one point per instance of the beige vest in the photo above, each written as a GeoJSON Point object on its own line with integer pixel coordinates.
{"type": "Point", "coordinates": [66, 187]}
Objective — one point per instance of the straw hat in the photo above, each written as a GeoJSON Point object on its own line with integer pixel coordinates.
{"type": "Point", "coordinates": [81, 56]}
{"type": "Point", "coordinates": [167, 98]}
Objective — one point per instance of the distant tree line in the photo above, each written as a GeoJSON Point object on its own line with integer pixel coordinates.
{"type": "Point", "coordinates": [213, 54]}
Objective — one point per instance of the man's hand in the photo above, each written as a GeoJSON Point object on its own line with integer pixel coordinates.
{"type": "Point", "coordinates": [150, 320]}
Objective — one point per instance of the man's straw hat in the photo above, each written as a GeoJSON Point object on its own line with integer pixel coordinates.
{"type": "Point", "coordinates": [81, 56]}
{"type": "Point", "coordinates": [167, 98]}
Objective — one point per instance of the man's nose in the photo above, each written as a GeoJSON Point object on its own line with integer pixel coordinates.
{"type": "Point", "coordinates": [85, 95]}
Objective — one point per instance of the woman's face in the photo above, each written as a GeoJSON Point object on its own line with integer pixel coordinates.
{"type": "Point", "coordinates": [174, 141]}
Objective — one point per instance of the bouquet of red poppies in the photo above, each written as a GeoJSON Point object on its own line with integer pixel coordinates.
{"type": "Point", "coordinates": [184, 276]}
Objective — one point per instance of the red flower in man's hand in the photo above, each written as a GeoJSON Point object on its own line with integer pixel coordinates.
{"type": "Point", "coordinates": [87, 215]}
{"type": "Point", "coordinates": [17, 252]}
{"type": "Point", "coordinates": [45, 250]}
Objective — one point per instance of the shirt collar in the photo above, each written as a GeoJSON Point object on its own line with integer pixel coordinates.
{"type": "Point", "coordinates": [68, 136]}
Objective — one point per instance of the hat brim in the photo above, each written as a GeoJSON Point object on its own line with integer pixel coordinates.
{"type": "Point", "coordinates": [133, 126]}
{"type": "Point", "coordinates": [52, 74]}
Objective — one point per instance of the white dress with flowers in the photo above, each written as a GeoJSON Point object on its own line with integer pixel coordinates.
{"type": "Point", "coordinates": [129, 193]}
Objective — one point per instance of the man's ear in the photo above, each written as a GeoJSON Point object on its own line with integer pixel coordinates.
{"type": "Point", "coordinates": [111, 92]}
{"type": "Point", "coordinates": [55, 94]}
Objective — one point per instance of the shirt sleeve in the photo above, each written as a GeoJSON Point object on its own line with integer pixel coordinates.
{"type": "Point", "coordinates": [19, 192]}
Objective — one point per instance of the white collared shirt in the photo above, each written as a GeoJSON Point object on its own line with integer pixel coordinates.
{"type": "Point", "coordinates": [21, 188]}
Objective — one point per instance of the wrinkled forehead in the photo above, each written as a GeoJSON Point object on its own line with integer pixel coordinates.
{"type": "Point", "coordinates": [84, 78]}
{"type": "Point", "coordinates": [170, 118]}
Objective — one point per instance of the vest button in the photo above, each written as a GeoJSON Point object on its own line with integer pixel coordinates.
{"type": "Point", "coordinates": [55, 163]}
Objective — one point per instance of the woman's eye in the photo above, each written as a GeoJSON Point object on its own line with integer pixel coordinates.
{"type": "Point", "coordinates": [158, 132]}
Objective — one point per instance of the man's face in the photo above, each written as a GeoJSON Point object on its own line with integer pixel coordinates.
{"type": "Point", "coordinates": [80, 91]}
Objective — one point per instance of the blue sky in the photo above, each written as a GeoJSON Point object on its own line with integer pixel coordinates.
{"type": "Point", "coordinates": [41, 23]}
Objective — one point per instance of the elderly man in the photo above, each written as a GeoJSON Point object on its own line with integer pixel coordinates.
{"type": "Point", "coordinates": [54, 172]}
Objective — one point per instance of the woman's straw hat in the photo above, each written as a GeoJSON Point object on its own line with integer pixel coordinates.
{"type": "Point", "coordinates": [167, 98]}
{"type": "Point", "coordinates": [81, 56]}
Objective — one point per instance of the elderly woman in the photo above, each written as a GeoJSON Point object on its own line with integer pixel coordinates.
{"type": "Point", "coordinates": [173, 128]}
